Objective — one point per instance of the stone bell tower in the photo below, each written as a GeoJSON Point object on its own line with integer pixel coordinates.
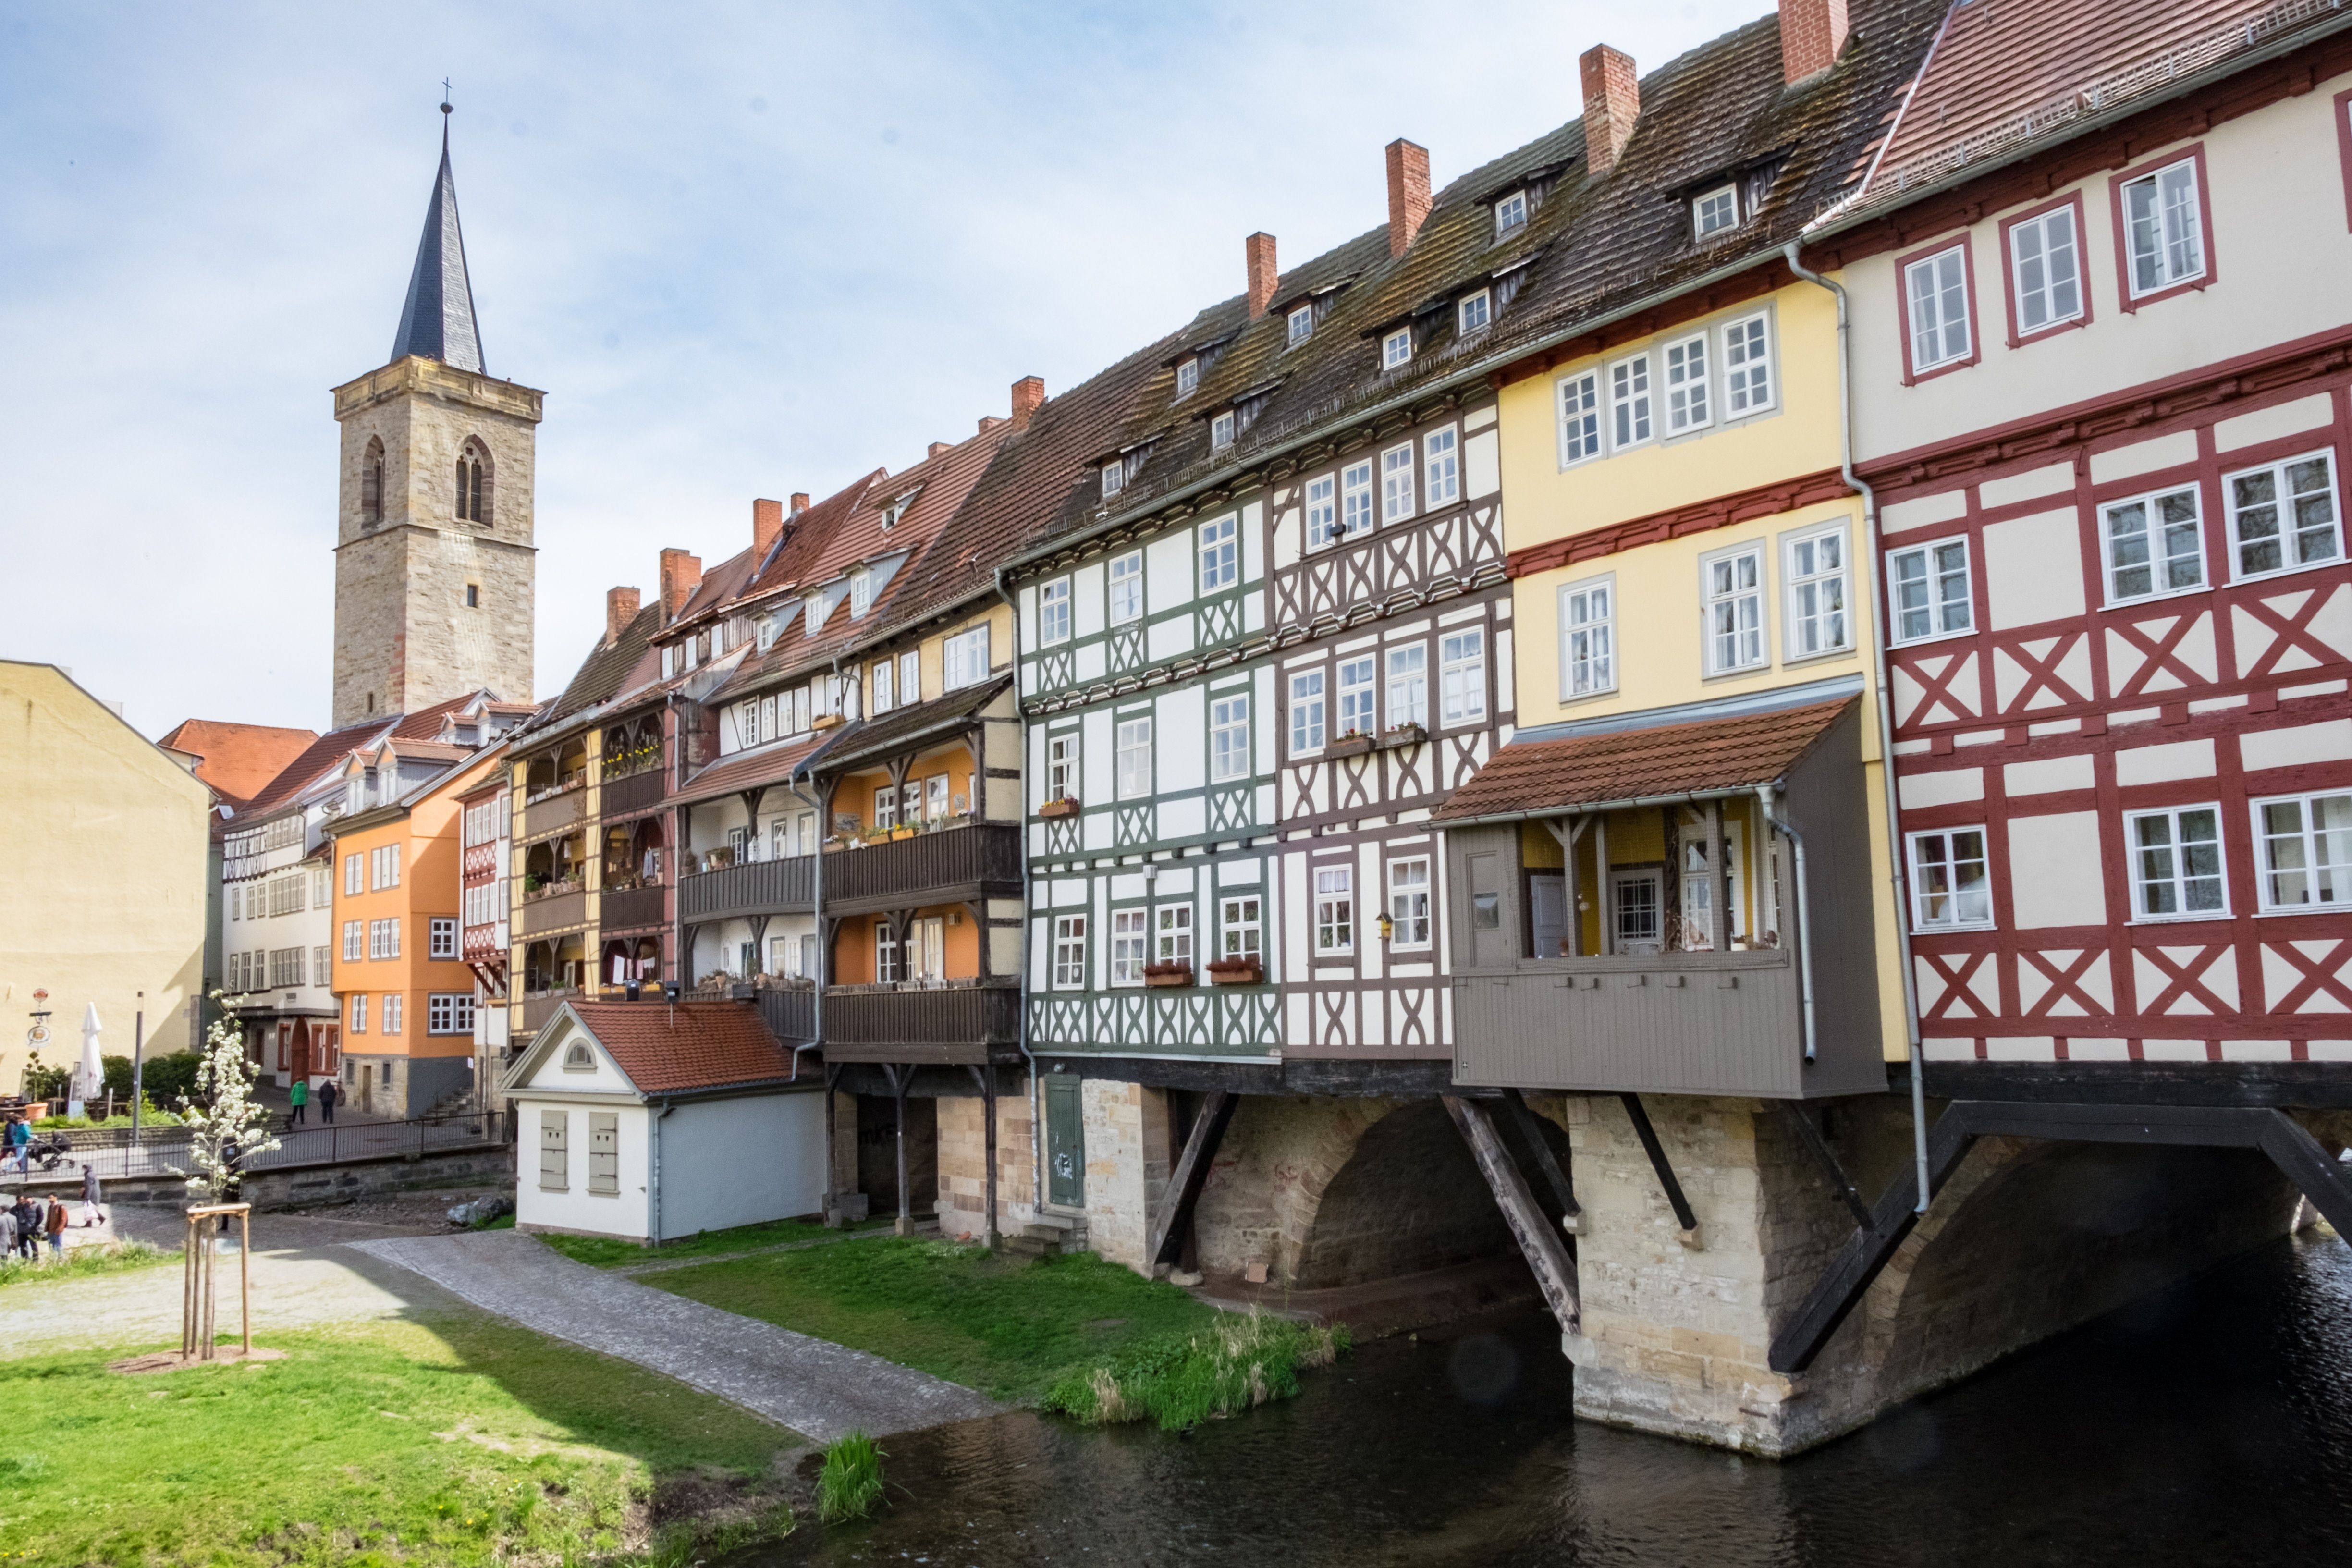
{"type": "Point", "coordinates": [434, 560]}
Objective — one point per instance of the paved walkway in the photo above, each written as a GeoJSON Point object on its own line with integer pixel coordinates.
{"type": "Point", "coordinates": [813, 1386]}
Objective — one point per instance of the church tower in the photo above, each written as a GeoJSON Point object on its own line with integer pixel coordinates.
{"type": "Point", "coordinates": [434, 559]}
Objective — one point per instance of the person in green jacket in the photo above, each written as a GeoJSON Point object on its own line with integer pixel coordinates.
{"type": "Point", "coordinates": [300, 1099]}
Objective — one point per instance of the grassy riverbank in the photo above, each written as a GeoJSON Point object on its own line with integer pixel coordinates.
{"type": "Point", "coordinates": [606, 1252]}
{"type": "Point", "coordinates": [1013, 1328]}
{"type": "Point", "coordinates": [456, 1439]}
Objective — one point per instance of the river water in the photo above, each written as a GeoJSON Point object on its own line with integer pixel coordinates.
{"type": "Point", "coordinates": [2211, 1425]}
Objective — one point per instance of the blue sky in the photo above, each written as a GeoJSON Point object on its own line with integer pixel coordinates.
{"type": "Point", "coordinates": [745, 249]}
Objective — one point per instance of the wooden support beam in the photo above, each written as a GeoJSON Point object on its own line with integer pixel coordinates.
{"type": "Point", "coordinates": [1800, 1121]}
{"type": "Point", "coordinates": [1166, 1242]}
{"type": "Point", "coordinates": [1530, 1127]}
{"type": "Point", "coordinates": [1658, 1153]}
{"type": "Point", "coordinates": [1545, 1250]}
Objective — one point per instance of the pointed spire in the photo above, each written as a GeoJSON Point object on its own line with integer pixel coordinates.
{"type": "Point", "coordinates": [437, 320]}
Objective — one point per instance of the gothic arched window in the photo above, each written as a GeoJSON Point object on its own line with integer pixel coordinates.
{"type": "Point", "coordinates": [372, 484]}
{"type": "Point", "coordinates": [473, 483]}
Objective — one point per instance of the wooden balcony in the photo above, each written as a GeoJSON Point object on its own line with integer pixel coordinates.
{"type": "Point", "coordinates": [790, 1013]}
{"type": "Point", "coordinates": [957, 1024]}
{"type": "Point", "coordinates": [556, 814]}
{"type": "Point", "coordinates": [552, 911]}
{"type": "Point", "coordinates": [537, 1010]}
{"type": "Point", "coordinates": [632, 907]}
{"type": "Point", "coordinates": [633, 792]}
{"type": "Point", "coordinates": [756, 887]}
{"type": "Point", "coordinates": [944, 865]}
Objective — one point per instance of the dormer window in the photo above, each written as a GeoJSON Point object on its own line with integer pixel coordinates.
{"type": "Point", "coordinates": [1114, 478]}
{"type": "Point", "coordinates": [1188, 375]}
{"type": "Point", "coordinates": [1396, 347]}
{"type": "Point", "coordinates": [764, 632]}
{"type": "Point", "coordinates": [1474, 311]}
{"type": "Point", "coordinates": [861, 591]}
{"type": "Point", "coordinates": [1221, 431]}
{"type": "Point", "coordinates": [1511, 213]}
{"type": "Point", "coordinates": [897, 509]}
{"type": "Point", "coordinates": [1302, 324]}
{"type": "Point", "coordinates": [1715, 210]}
{"type": "Point", "coordinates": [812, 615]}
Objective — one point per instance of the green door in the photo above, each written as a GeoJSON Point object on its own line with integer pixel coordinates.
{"type": "Point", "coordinates": [1066, 1144]}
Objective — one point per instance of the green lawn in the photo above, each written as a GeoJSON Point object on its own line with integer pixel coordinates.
{"type": "Point", "coordinates": [607, 1252]}
{"type": "Point", "coordinates": [1007, 1325]}
{"type": "Point", "coordinates": [457, 1439]}
{"type": "Point", "coordinates": [82, 1262]}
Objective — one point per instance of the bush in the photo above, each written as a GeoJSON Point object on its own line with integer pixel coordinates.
{"type": "Point", "coordinates": [48, 1083]}
{"type": "Point", "coordinates": [1182, 1380]}
{"type": "Point", "coordinates": [168, 1079]}
{"type": "Point", "coordinates": [850, 1483]}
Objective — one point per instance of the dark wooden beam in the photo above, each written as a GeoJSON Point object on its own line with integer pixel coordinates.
{"type": "Point", "coordinates": [2311, 1086]}
{"type": "Point", "coordinates": [1658, 1153]}
{"type": "Point", "coordinates": [1800, 1121]}
{"type": "Point", "coordinates": [1544, 1249]}
{"type": "Point", "coordinates": [1530, 1127]}
{"type": "Point", "coordinates": [1166, 1242]}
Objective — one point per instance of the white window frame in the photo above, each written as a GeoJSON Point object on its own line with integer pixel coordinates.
{"type": "Point", "coordinates": [1943, 908]}
{"type": "Point", "coordinates": [1069, 953]}
{"type": "Point", "coordinates": [1335, 911]}
{"type": "Point", "coordinates": [1229, 737]}
{"type": "Point", "coordinates": [910, 687]}
{"type": "Point", "coordinates": [2152, 237]}
{"type": "Point", "coordinates": [2280, 501]}
{"type": "Point", "coordinates": [1400, 486]}
{"type": "Point", "coordinates": [1715, 601]}
{"type": "Point", "coordinates": [441, 937]}
{"type": "Point", "coordinates": [1511, 213]}
{"type": "Point", "coordinates": [861, 592]}
{"type": "Point", "coordinates": [354, 878]}
{"type": "Point", "coordinates": [1927, 311]}
{"type": "Point", "coordinates": [1126, 587]}
{"type": "Point", "coordinates": [1581, 418]}
{"type": "Point", "coordinates": [2136, 865]}
{"type": "Point", "coordinates": [1587, 641]}
{"type": "Point", "coordinates": [1172, 933]}
{"type": "Point", "coordinates": [1706, 205]}
{"type": "Point", "coordinates": [890, 955]}
{"type": "Point", "coordinates": [359, 1024]}
{"type": "Point", "coordinates": [1062, 760]}
{"type": "Point", "coordinates": [2034, 284]}
{"type": "Point", "coordinates": [1688, 406]}
{"type": "Point", "coordinates": [1114, 478]}
{"type": "Point", "coordinates": [1632, 420]}
{"type": "Point", "coordinates": [1356, 690]}
{"type": "Point", "coordinates": [1299, 325]}
{"type": "Point", "coordinates": [1131, 945]}
{"type": "Point", "coordinates": [1322, 511]}
{"type": "Point", "coordinates": [1220, 554]}
{"type": "Point", "coordinates": [1441, 464]}
{"type": "Point", "coordinates": [1406, 672]}
{"type": "Point", "coordinates": [1188, 376]}
{"type": "Point", "coordinates": [958, 655]}
{"type": "Point", "coordinates": [1409, 904]}
{"type": "Point", "coordinates": [1356, 509]}
{"type": "Point", "coordinates": [1054, 612]}
{"type": "Point", "coordinates": [1241, 927]}
{"type": "Point", "coordinates": [1133, 758]}
{"type": "Point", "coordinates": [2329, 876]}
{"type": "Point", "coordinates": [1307, 711]}
{"type": "Point", "coordinates": [1805, 584]}
{"type": "Point", "coordinates": [355, 941]}
{"type": "Point", "coordinates": [449, 1013]}
{"type": "Point", "coordinates": [388, 1016]}
{"type": "Point", "coordinates": [1937, 607]}
{"type": "Point", "coordinates": [2155, 542]}
{"type": "Point", "coordinates": [1221, 431]}
{"type": "Point", "coordinates": [1474, 312]}
{"type": "Point", "coordinates": [885, 697]}
{"type": "Point", "coordinates": [1461, 675]}
{"type": "Point", "coordinates": [1396, 347]}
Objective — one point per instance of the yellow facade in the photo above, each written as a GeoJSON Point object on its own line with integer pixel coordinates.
{"type": "Point", "coordinates": [102, 897]}
{"type": "Point", "coordinates": [1658, 588]}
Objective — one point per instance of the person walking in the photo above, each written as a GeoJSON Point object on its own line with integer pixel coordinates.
{"type": "Point", "coordinates": [328, 1092]}
{"type": "Point", "coordinates": [299, 1097]}
{"type": "Point", "coordinates": [7, 1233]}
{"type": "Point", "coordinates": [92, 1213]}
{"type": "Point", "coordinates": [29, 1221]}
{"type": "Point", "coordinates": [20, 1142]}
{"type": "Point", "coordinates": [56, 1226]}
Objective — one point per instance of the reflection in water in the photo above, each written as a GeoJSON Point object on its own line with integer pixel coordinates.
{"type": "Point", "coordinates": [2211, 1425]}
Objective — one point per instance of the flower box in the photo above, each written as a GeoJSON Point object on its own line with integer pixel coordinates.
{"type": "Point", "coordinates": [1167, 974]}
{"type": "Point", "coordinates": [1065, 806]}
{"type": "Point", "coordinates": [1236, 971]}
{"type": "Point", "coordinates": [1404, 735]}
{"type": "Point", "coordinates": [1349, 746]}
{"type": "Point", "coordinates": [902, 832]}
{"type": "Point", "coordinates": [827, 722]}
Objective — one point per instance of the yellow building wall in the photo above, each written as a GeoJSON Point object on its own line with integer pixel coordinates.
{"type": "Point", "coordinates": [1659, 650]}
{"type": "Point", "coordinates": [102, 890]}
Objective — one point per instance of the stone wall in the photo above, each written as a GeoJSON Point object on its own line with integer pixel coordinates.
{"type": "Point", "coordinates": [963, 1163]}
{"type": "Point", "coordinates": [303, 1186]}
{"type": "Point", "coordinates": [1129, 1156]}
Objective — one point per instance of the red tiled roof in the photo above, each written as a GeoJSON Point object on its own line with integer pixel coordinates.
{"type": "Point", "coordinates": [767, 766]}
{"type": "Point", "coordinates": [237, 759]}
{"type": "Point", "coordinates": [1710, 756]}
{"type": "Point", "coordinates": [322, 756]}
{"type": "Point", "coordinates": [670, 1048]}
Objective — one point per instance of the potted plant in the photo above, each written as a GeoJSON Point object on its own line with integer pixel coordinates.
{"type": "Point", "coordinates": [1167, 974]}
{"type": "Point", "coordinates": [827, 722]}
{"type": "Point", "coordinates": [1404, 735]}
{"type": "Point", "coordinates": [903, 830]}
{"type": "Point", "coordinates": [1067, 805]}
{"type": "Point", "coordinates": [1243, 971]}
{"type": "Point", "coordinates": [1354, 743]}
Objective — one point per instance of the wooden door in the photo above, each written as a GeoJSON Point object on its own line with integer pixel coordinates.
{"type": "Point", "coordinates": [1066, 1143]}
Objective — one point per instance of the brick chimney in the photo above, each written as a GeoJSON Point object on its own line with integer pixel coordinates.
{"type": "Point", "coordinates": [1613, 101]}
{"type": "Point", "coordinates": [681, 573]}
{"type": "Point", "coordinates": [1407, 192]}
{"type": "Point", "coordinates": [1257, 250]}
{"type": "Point", "coordinates": [936, 447]}
{"type": "Point", "coordinates": [1812, 35]}
{"type": "Point", "coordinates": [767, 521]}
{"type": "Point", "coordinates": [620, 606]}
{"type": "Point", "coordinates": [1027, 394]}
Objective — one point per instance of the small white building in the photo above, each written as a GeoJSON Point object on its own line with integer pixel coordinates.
{"type": "Point", "coordinates": [654, 1121]}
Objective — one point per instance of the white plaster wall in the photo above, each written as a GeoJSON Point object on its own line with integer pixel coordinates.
{"type": "Point", "coordinates": [740, 1162]}
{"type": "Point", "coordinates": [576, 1208]}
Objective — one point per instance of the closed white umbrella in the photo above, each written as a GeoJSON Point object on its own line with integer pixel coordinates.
{"type": "Point", "coordinates": [90, 1075]}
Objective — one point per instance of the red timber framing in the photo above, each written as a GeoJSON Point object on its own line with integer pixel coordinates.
{"type": "Point", "coordinates": [2057, 713]}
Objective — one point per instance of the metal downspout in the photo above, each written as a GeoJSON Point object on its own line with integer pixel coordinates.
{"type": "Point", "coordinates": [816, 914]}
{"type": "Point", "coordinates": [1804, 912]}
{"type": "Point", "coordinates": [1021, 1031]}
{"type": "Point", "coordinates": [655, 1217]}
{"type": "Point", "coordinates": [1878, 637]}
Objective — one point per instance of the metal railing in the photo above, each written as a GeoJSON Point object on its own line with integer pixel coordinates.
{"type": "Point", "coordinates": [165, 1150]}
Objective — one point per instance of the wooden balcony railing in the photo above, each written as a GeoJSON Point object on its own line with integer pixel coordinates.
{"type": "Point", "coordinates": [538, 1010]}
{"type": "Point", "coordinates": [758, 887]}
{"type": "Point", "coordinates": [632, 792]}
{"type": "Point", "coordinates": [554, 815]}
{"type": "Point", "coordinates": [960, 1023]}
{"type": "Point", "coordinates": [790, 1013]}
{"type": "Point", "coordinates": [633, 907]}
{"type": "Point", "coordinates": [952, 862]}
{"type": "Point", "coordinates": [553, 911]}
